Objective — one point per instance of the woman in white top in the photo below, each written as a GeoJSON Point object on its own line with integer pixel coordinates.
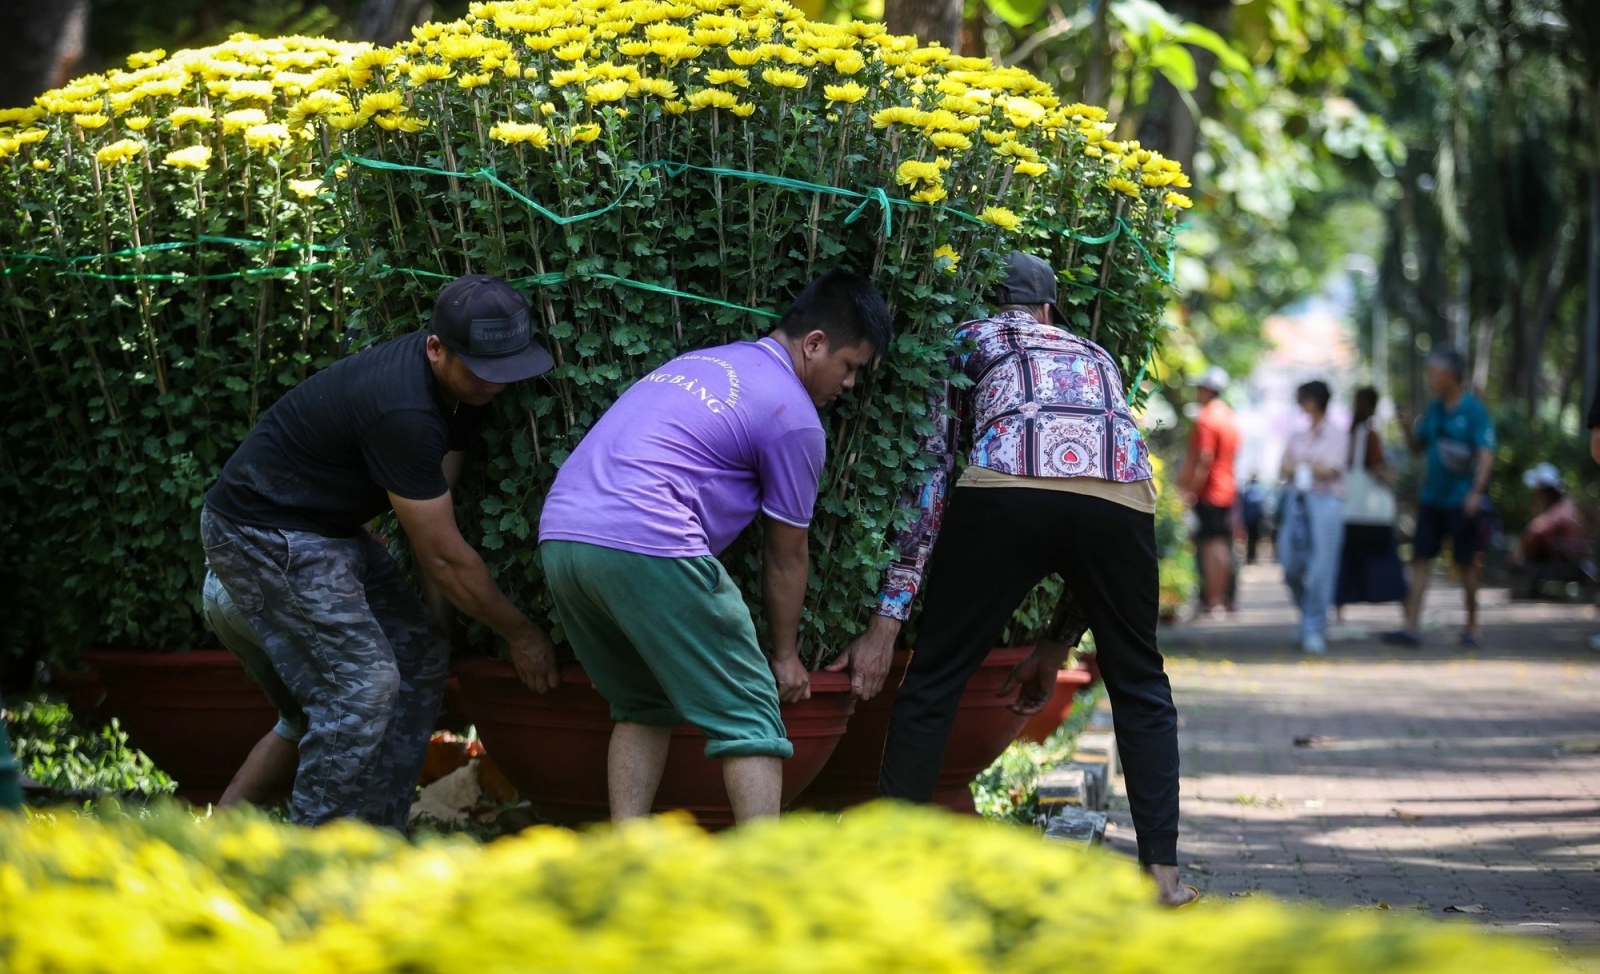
{"type": "Point", "coordinates": [1311, 532]}
{"type": "Point", "coordinates": [1370, 569]}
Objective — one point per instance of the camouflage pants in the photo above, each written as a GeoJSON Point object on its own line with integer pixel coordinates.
{"type": "Point", "coordinates": [354, 644]}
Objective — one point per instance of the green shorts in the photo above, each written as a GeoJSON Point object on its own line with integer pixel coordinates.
{"type": "Point", "coordinates": [668, 641]}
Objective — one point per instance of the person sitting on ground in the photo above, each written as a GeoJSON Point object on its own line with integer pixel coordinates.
{"type": "Point", "coordinates": [667, 479]}
{"type": "Point", "coordinates": [316, 608]}
{"type": "Point", "coordinates": [1556, 535]}
{"type": "Point", "coordinates": [1058, 480]}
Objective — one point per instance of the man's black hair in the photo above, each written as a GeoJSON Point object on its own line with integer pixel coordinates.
{"type": "Point", "coordinates": [844, 306]}
{"type": "Point", "coordinates": [1452, 359]}
{"type": "Point", "coordinates": [1316, 391]}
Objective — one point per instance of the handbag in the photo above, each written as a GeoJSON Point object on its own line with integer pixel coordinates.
{"type": "Point", "coordinates": [1366, 499]}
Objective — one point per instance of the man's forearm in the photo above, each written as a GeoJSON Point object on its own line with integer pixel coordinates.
{"type": "Point", "coordinates": [783, 594]}
{"type": "Point", "coordinates": [1480, 482]}
{"type": "Point", "coordinates": [465, 581]}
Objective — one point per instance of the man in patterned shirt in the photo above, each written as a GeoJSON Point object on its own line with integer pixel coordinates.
{"type": "Point", "coordinates": [1058, 481]}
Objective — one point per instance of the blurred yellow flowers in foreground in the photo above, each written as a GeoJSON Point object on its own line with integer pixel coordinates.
{"type": "Point", "coordinates": [884, 888]}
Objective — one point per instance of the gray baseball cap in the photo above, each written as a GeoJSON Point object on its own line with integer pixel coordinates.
{"type": "Point", "coordinates": [485, 321]}
{"type": "Point", "coordinates": [1028, 280]}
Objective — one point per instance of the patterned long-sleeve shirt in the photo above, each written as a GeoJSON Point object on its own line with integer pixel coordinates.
{"type": "Point", "coordinates": [1043, 403]}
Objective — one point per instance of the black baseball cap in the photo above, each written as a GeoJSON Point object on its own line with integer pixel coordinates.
{"type": "Point", "coordinates": [1028, 280]}
{"type": "Point", "coordinates": [485, 321]}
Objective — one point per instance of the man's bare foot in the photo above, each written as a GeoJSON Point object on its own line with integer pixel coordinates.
{"type": "Point", "coordinates": [1172, 891]}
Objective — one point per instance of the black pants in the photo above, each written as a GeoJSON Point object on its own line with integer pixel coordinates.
{"type": "Point", "coordinates": [996, 545]}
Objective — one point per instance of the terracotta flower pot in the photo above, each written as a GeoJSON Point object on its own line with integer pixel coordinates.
{"type": "Point", "coordinates": [196, 714]}
{"type": "Point", "coordinates": [851, 775]}
{"type": "Point", "coordinates": [984, 727]}
{"type": "Point", "coordinates": [1055, 713]}
{"type": "Point", "coordinates": [553, 746]}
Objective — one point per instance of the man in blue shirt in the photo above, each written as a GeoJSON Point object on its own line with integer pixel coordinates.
{"type": "Point", "coordinates": [1456, 435]}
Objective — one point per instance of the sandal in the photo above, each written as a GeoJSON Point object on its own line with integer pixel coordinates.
{"type": "Point", "coordinates": [1192, 900]}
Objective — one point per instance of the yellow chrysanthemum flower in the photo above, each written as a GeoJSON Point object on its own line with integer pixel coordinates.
{"type": "Point", "coordinates": [745, 58]}
{"type": "Point", "coordinates": [317, 104]}
{"type": "Point", "coordinates": [1092, 112]}
{"type": "Point", "coordinates": [31, 136]}
{"type": "Point", "coordinates": [948, 254]}
{"type": "Point", "coordinates": [716, 37]}
{"type": "Point", "coordinates": [1092, 151]}
{"type": "Point", "coordinates": [634, 48]}
{"type": "Point", "coordinates": [743, 109]}
{"type": "Point", "coordinates": [711, 98]}
{"type": "Point", "coordinates": [22, 116]}
{"type": "Point", "coordinates": [418, 74]}
{"type": "Point", "coordinates": [587, 132]}
{"type": "Point", "coordinates": [93, 121]}
{"type": "Point", "coordinates": [511, 69]}
{"type": "Point", "coordinates": [606, 91]}
{"type": "Point", "coordinates": [894, 115]}
{"type": "Point", "coordinates": [547, 108]}
{"type": "Point", "coordinates": [1001, 217]}
{"type": "Point", "coordinates": [950, 140]}
{"type": "Point", "coordinates": [137, 123]}
{"type": "Point", "coordinates": [190, 115]}
{"type": "Point", "coordinates": [1123, 185]}
{"type": "Point", "coordinates": [470, 81]}
{"type": "Point", "coordinates": [1178, 201]}
{"type": "Point", "coordinates": [249, 91]}
{"type": "Point", "coordinates": [145, 58]}
{"type": "Point", "coordinates": [118, 152]}
{"type": "Point", "coordinates": [347, 121]}
{"type": "Point", "coordinates": [521, 133]}
{"type": "Point", "coordinates": [43, 164]}
{"type": "Point", "coordinates": [381, 101]}
{"type": "Point", "coordinates": [570, 76]}
{"type": "Point", "coordinates": [849, 62]}
{"type": "Point", "coordinates": [728, 76]}
{"type": "Point", "coordinates": [912, 172]}
{"type": "Point", "coordinates": [399, 122]}
{"type": "Point", "coordinates": [268, 136]}
{"type": "Point", "coordinates": [576, 51]}
{"type": "Point", "coordinates": [783, 78]}
{"type": "Point", "coordinates": [243, 118]}
{"type": "Point", "coordinates": [849, 93]}
{"type": "Point", "coordinates": [674, 107]}
{"type": "Point", "coordinates": [930, 195]}
{"type": "Point", "coordinates": [305, 188]}
{"type": "Point", "coordinates": [1031, 168]}
{"type": "Point", "coordinates": [659, 87]}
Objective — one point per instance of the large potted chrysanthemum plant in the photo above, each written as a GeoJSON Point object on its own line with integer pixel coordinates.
{"type": "Point", "coordinates": [203, 230]}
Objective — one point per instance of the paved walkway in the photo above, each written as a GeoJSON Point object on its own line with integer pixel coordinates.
{"type": "Point", "coordinates": [1388, 778]}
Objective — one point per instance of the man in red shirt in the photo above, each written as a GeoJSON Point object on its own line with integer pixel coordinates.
{"type": "Point", "coordinates": [1208, 485]}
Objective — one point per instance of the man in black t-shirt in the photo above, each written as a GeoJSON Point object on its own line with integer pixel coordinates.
{"type": "Point", "coordinates": [343, 644]}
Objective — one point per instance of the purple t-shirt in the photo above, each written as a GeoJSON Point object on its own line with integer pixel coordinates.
{"type": "Point", "coordinates": [690, 454]}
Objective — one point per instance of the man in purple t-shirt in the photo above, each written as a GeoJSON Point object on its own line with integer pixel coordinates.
{"type": "Point", "coordinates": [666, 480]}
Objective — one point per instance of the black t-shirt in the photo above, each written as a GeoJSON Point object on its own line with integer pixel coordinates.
{"type": "Point", "coordinates": [325, 457]}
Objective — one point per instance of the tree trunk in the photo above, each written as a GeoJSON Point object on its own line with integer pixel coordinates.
{"type": "Point", "coordinates": [47, 47]}
{"type": "Point", "coordinates": [929, 20]}
{"type": "Point", "coordinates": [389, 21]}
{"type": "Point", "coordinates": [1168, 125]}
{"type": "Point", "coordinates": [1591, 317]}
